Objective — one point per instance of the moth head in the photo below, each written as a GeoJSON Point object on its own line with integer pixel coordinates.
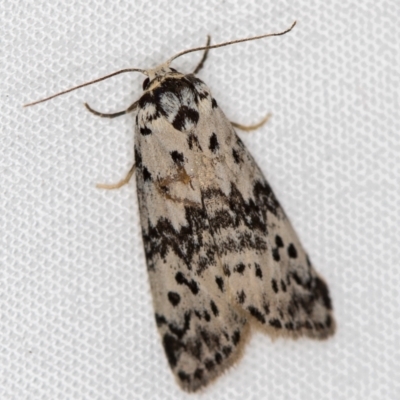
{"type": "Point", "coordinates": [157, 72]}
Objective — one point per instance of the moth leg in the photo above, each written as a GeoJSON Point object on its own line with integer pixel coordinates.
{"type": "Point", "coordinates": [120, 183]}
{"type": "Point", "coordinates": [249, 128]}
{"type": "Point", "coordinates": [203, 59]}
{"type": "Point", "coordinates": [181, 176]}
{"type": "Point", "coordinates": [112, 115]}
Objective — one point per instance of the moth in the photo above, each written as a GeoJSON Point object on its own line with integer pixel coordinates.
{"type": "Point", "coordinates": [222, 256]}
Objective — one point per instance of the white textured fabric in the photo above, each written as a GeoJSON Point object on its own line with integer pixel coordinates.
{"type": "Point", "coordinates": [76, 313]}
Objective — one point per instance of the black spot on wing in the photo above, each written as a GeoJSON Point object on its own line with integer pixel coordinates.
{"type": "Point", "coordinates": [321, 291]}
{"type": "Point", "coordinates": [203, 263]}
{"type": "Point", "coordinates": [214, 145]}
{"type": "Point", "coordinates": [160, 320]}
{"type": "Point", "coordinates": [226, 270]}
{"type": "Point", "coordinates": [275, 323]}
{"type": "Point", "coordinates": [174, 298]}
{"type": "Point", "coordinates": [194, 347]}
{"type": "Point", "coordinates": [296, 278]}
{"type": "Point", "coordinates": [328, 321]}
{"type": "Point", "coordinates": [214, 308]}
{"type": "Point", "coordinates": [279, 241]}
{"type": "Point", "coordinates": [241, 297]}
{"type": "Point", "coordinates": [274, 285]}
{"type": "Point", "coordinates": [197, 314]}
{"type": "Point", "coordinates": [227, 350]}
{"type": "Point", "coordinates": [258, 270]}
{"type": "Point", "coordinates": [275, 254]}
{"type": "Point", "coordinates": [239, 268]}
{"type": "Point", "coordinates": [203, 95]}
{"type": "Point", "coordinates": [138, 158]}
{"type": "Point", "coordinates": [214, 103]}
{"type": "Point", "coordinates": [193, 142]}
{"type": "Point", "coordinates": [211, 340]}
{"type": "Point", "coordinates": [192, 285]}
{"type": "Point", "coordinates": [146, 174]}
{"type": "Point", "coordinates": [145, 131]}
{"type": "Point", "coordinates": [209, 364]}
{"type": "Point", "coordinates": [292, 252]}
{"type": "Point", "coordinates": [183, 376]}
{"type": "Point", "coordinates": [236, 156]}
{"type": "Point", "coordinates": [173, 348]}
{"type": "Point", "coordinates": [181, 331]}
{"type": "Point", "coordinates": [220, 283]}
{"type": "Point", "coordinates": [198, 374]}
{"type": "Point", "coordinates": [305, 302]}
{"type": "Point", "coordinates": [256, 313]}
{"type": "Point", "coordinates": [236, 337]}
{"type": "Point", "coordinates": [177, 157]}
{"type": "Point", "coordinates": [289, 326]}
{"type": "Point", "coordinates": [185, 116]}
{"type": "Point", "coordinates": [264, 195]}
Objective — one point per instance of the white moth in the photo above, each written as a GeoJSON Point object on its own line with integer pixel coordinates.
{"type": "Point", "coordinates": [222, 256]}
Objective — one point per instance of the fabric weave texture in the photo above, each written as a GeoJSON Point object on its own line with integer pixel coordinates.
{"type": "Point", "coordinates": [75, 306]}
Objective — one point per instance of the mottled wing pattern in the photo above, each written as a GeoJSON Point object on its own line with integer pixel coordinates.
{"type": "Point", "coordinates": [269, 274]}
{"type": "Point", "coordinates": [200, 329]}
{"type": "Point", "coordinates": [220, 251]}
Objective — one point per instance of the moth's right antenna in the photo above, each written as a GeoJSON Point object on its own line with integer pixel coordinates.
{"type": "Point", "coordinates": [229, 43]}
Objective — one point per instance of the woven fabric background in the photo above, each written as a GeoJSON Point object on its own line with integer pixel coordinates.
{"type": "Point", "coordinates": [76, 317]}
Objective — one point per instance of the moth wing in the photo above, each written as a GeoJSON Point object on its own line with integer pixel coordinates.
{"type": "Point", "coordinates": [201, 331]}
{"type": "Point", "coordinates": [269, 274]}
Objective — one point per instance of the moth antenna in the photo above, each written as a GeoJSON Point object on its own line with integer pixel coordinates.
{"type": "Point", "coordinates": [86, 84]}
{"type": "Point", "coordinates": [229, 43]}
{"type": "Point", "coordinates": [167, 63]}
